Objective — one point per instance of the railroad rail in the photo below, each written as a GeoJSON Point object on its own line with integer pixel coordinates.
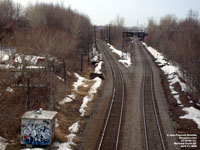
{"type": "Point", "coordinates": [109, 139]}
{"type": "Point", "coordinates": [152, 128]}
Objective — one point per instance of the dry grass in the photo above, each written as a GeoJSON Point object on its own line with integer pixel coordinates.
{"type": "Point", "coordinates": [14, 105]}
{"type": "Point", "coordinates": [183, 125]}
{"type": "Point", "coordinates": [69, 112]}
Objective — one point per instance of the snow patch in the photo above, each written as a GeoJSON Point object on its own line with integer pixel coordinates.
{"type": "Point", "coordinates": [174, 75]}
{"type": "Point", "coordinates": [95, 58]}
{"type": "Point", "coordinates": [90, 95]}
{"type": "Point", "coordinates": [56, 123]}
{"type": "Point", "coordinates": [172, 72]}
{"type": "Point", "coordinates": [4, 56]}
{"type": "Point", "coordinates": [28, 58]}
{"type": "Point", "coordinates": [126, 61]}
{"type": "Point", "coordinates": [3, 143]}
{"type": "Point", "coordinates": [74, 127]}
{"type": "Point", "coordinates": [60, 78]}
{"type": "Point", "coordinates": [193, 114]}
{"type": "Point", "coordinates": [116, 51]}
{"type": "Point", "coordinates": [79, 82]}
{"type": "Point", "coordinates": [69, 98]}
{"type": "Point", "coordinates": [7, 66]}
{"type": "Point", "coordinates": [9, 89]}
{"type": "Point", "coordinates": [98, 68]}
{"type": "Point", "coordinates": [67, 145]}
{"type": "Point", "coordinates": [66, 100]}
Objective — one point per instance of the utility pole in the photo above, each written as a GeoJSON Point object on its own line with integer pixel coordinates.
{"type": "Point", "coordinates": [28, 88]}
{"type": "Point", "coordinates": [89, 45]}
{"type": "Point", "coordinates": [126, 38]}
{"type": "Point", "coordinates": [95, 42]}
{"type": "Point", "coordinates": [28, 94]}
{"type": "Point", "coordinates": [81, 53]}
{"type": "Point", "coordinates": [64, 71]}
{"type": "Point", "coordinates": [81, 62]}
{"type": "Point", "coordinates": [109, 34]}
{"type": "Point", "coordinates": [107, 38]}
{"type": "Point", "coordinates": [51, 101]}
{"type": "Point", "coordinates": [124, 45]}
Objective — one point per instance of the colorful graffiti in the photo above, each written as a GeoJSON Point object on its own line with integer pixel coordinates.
{"type": "Point", "coordinates": [36, 134]}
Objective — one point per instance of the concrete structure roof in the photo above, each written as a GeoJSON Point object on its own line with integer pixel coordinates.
{"type": "Point", "coordinates": [39, 114]}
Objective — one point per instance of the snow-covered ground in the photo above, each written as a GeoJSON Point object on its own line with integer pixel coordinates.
{"type": "Point", "coordinates": [4, 56]}
{"type": "Point", "coordinates": [174, 75]}
{"type": "Point", "coordinates": [3, 143]}
{"type": "Point", "coordinates": [98, 68]}
{"type": "Point", "coordinates": [7, 56]}
{"type": "Point", "coordinates": [126, 60]}
{"type": "Point", "coordinates": [193, 114]}
{"type": "Point", "coordinates": [67, 145]}
{"type": "Point", "coordinates": [90, 95]}
{"type": "Point", "coordinates": [74, 128]}
{"type": "Point", "coordinates": [29, 58]}
{"type": "Point", "coordinates": [81, 81]}
{"type": "Point", "coordinates": [69, 98]}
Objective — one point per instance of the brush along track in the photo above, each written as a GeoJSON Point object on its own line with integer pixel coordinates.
{"type": "Point", "coordinates": [152, 129]}
{"type": "Point", "coordinates": [109, 139]}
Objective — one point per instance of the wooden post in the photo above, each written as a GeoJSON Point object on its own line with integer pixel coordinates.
{"type": "Point", "coordinates": [81, 62]}
{"type": "Point", "coordinates": [28, 94]}
{"type": "Point", "coordinates": [51, 92]}
{"type": "Point", "coordinates": [64, 71]}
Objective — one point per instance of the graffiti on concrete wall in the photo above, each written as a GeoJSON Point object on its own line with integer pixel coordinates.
{"type": "Point", "coordinates": [36, 133]}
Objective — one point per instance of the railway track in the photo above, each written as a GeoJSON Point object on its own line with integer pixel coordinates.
{"type": "Point", "coordinates": [152, 128]}
{"type": "Point", "coordinates": [109, 139]}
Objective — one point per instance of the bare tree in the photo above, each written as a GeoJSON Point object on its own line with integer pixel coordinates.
{"type": "Point", "coordinates": [179, 41]}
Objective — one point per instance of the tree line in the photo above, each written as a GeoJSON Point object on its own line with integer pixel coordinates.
{"type": "Point", "coordinates": [179, 41]}
{"type": "Point", "coordinates": [50, 30]}
{"type": "Point", "coordinates": [45, 29]}
{"type": "Point", "coordinates": [112, 33]}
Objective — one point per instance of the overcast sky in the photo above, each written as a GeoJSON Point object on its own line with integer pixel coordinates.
{"type": "Point", "coordinates": [135, 12]}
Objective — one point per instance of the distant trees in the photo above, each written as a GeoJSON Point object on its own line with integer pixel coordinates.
{"type": "Point", "coordinates": [116, 31]}
{"type": "Point", "coordinates": [180, 42]}
{"type": "Point", "coordinates": [9, 14]}
{"type": "Point", "coordinates": [113, 32]}
{"type": "Point", "coordinates": [52, 31]}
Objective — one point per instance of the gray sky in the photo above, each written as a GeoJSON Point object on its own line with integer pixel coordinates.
{"type": "Point", "coordinates": [102, 12]}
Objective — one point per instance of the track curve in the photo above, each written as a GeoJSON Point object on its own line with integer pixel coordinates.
{"type": "Point", "coordinates": [152, 127]}
{"type": "Point", "coordinates": [109, 139]}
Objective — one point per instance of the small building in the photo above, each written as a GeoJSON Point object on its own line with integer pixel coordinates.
{"type": "Point", "coordinates": [37, 128]}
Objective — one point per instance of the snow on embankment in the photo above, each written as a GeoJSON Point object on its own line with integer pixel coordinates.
{"type": "Point", "coordinates": [74, 128]}
{"type": "Point", "coordinates": [3, 143]}
{"type": "Point", "coordinates": [126, 62]}
{"type": "Point", "coordinates": [81, 81]}
{"type": "Point", "coordinates": [193, 114]}
{"type": "Point", "coordinates": [174, 75]}
{"type": "Point", "coordinates": [90, 95]}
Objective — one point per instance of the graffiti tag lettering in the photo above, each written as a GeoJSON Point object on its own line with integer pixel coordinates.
{"type": "Point", "coordinates": [36, 134]}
